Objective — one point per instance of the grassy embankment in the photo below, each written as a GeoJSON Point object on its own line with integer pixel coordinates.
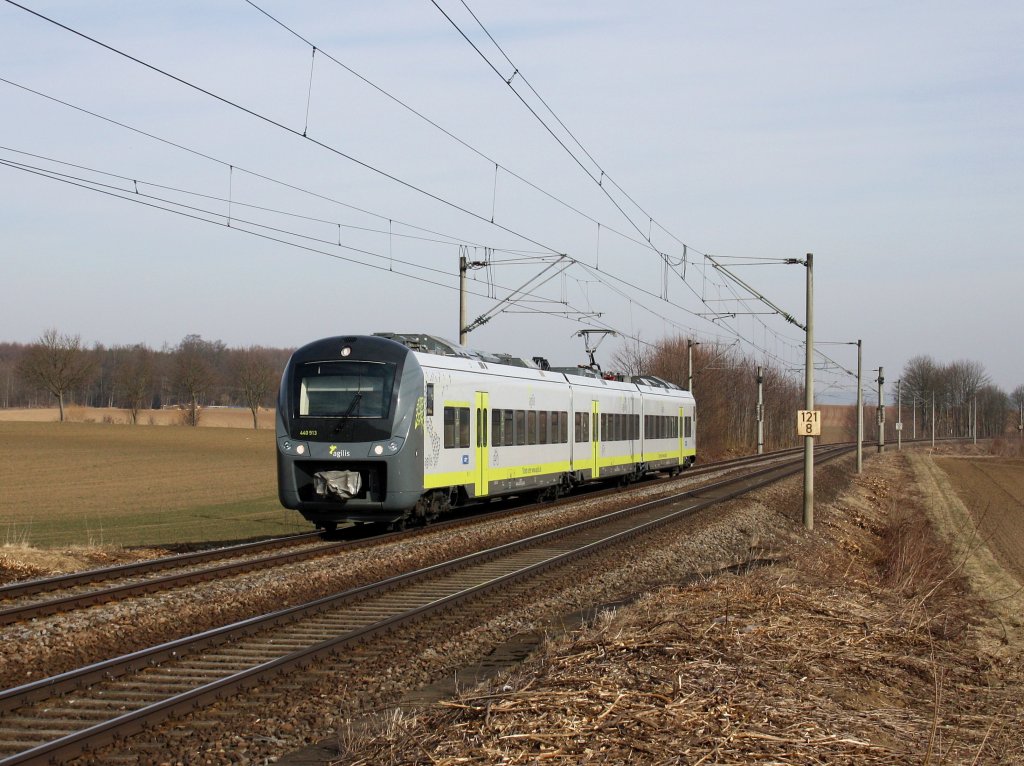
{"type": "Point", "coordinates": [106, 484]}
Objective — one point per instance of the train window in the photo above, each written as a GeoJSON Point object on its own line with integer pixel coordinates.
{"type": "Point", "coordinates": [606, 434]}
{"type": "Point", "coordinates": [595, 435]}
{"type": "Point", "coordinates": [582, 427]}
{"type": "Point", "coordinates": [345, 389]}
{"type": "Point", "coordinates": [481, 425]}
{"type": "Point", "coordinates": [542, 427]}
{"type": "Point", "coordinates": [531, 427]}
{"type": "Point", "coordinates": [456, 427]}
{"type": "Point", "coordinates": [430, 399]}
{"type": "Point", "coordinates": [496, 423]}
{"type": "Point", "coordinates": [563, 427]}
{"type": "Point", "coordinates": [635, 421]}
{"type": "Point", "coordinates": [687, 427]}
{"type": "Point", "coordinates": [507, 429]}
{"type": "Point", "coordinates": [520, 427]}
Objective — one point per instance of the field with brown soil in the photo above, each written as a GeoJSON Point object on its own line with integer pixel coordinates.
{"type": "Point", "coordinates": [992, 490]}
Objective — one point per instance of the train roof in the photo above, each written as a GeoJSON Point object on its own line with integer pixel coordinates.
{"type": "Point", "coordinates": [422, 343]}
{"type": "Point", "coordinates": [432, 344]}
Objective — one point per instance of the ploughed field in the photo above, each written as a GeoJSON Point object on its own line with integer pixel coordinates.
{"type": "Point", "coordinates": [992, 489]}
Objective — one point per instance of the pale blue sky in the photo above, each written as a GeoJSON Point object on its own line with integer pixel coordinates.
{"type": "Point", "coordinates": [883, 137]}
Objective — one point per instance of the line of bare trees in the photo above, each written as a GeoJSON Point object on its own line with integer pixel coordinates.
{"type": "Point", "coordinates": [963, 395]}
{"type": "Point", "coordinates": [193, 374]}
{"type": "Point", "coordinates": [197, 373]}
{"type": "Point", "coordinates": [724, 385]}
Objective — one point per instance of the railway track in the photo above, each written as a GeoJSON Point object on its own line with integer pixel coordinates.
{"type": "Point", "coordinates": [57, 718]}
{"type": "Point", "coordinates": [78, 590]}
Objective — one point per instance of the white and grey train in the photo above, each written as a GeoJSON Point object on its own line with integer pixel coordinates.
{"type": "Point", "coordinates": [388, 428]}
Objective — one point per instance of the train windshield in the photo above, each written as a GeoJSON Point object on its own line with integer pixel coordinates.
{"type": "Point", "coordinates": [345, 389]}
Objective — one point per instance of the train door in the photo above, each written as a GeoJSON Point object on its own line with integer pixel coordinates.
{"type": "Point", "coordinates": [595, 441]}
{"type": "Point", "coordinates": [482, 420]}
{"type": "Point", "coordinates": [682, 434]}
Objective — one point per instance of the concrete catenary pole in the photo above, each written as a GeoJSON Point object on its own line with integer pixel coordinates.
{"type": "Point", "coordinates": [760, 410]}
{"type": "Point", "coordinates": [899, 414]}
{"type": "Point", "coordinates": [689, 364]}
{"type": "Point", "coordinates": [809, 402]}
{"type": "Point", "coordinates": [463, 267]}
{"type": "Point", "coordinates": [881, 409]}
{"type": "Point", "coordinates": [860, 409]}
{"type": "Point", "coordinates": [933, 420]}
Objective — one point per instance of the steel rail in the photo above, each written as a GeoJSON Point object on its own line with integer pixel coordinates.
{"type": "Point", "coordinates": [132, 721]}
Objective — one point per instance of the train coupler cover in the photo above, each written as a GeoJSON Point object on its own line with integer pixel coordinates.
{"type": "Point", "coordinates": [341, 485]}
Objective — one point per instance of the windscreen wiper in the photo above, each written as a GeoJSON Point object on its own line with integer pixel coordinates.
{"type": "Point", "coordinates": [348, 412]}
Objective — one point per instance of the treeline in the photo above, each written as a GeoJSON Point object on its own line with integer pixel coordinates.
{"type": "Point", "coordinates": [195, 373]}
{"type": "Point", "coordinates": [962, 394]}
{"type": "Point", "coordinates": [725, 387]}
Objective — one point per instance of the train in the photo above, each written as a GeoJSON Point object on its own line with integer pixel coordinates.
{"type": "Point", "coordinates": [402, 428]}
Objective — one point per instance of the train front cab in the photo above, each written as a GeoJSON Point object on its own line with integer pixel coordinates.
{"type": "Point", "coordinates": [348, 443]}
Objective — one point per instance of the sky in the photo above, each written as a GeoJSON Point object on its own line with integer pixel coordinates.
{"type": "Point", "coordinates": [269, 173]}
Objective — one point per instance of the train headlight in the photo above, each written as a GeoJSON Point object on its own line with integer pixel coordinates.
{"type": "Point", "coordinates": [290, 446]}
{"type": "Point", "coordinates": [387, 447]}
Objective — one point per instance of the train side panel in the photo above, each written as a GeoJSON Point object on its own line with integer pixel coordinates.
{"type": "Point", "coordinates": [493, 429]}
{"type": "Point", "coordinates": [669, 439]}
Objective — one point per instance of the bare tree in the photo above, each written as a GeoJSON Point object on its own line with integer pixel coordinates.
{"type": "Point", "coordinates": [1016, 400]}
{"type": "Point", "coordinates": [56, 363]}
{"type": "Point", "coordinates": [134, 372]}
{"type": "Point", "coordinates": [255, 372]}
{"type": "Point", "coordinates": [725, 387]}
{"type": "Point", "coordinates": [633, 358]}
{"type": "Point", "coordinates": [196, 370]}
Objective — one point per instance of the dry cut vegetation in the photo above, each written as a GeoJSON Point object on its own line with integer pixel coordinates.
{"type": "Point", "coordinates": [864, 646]}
